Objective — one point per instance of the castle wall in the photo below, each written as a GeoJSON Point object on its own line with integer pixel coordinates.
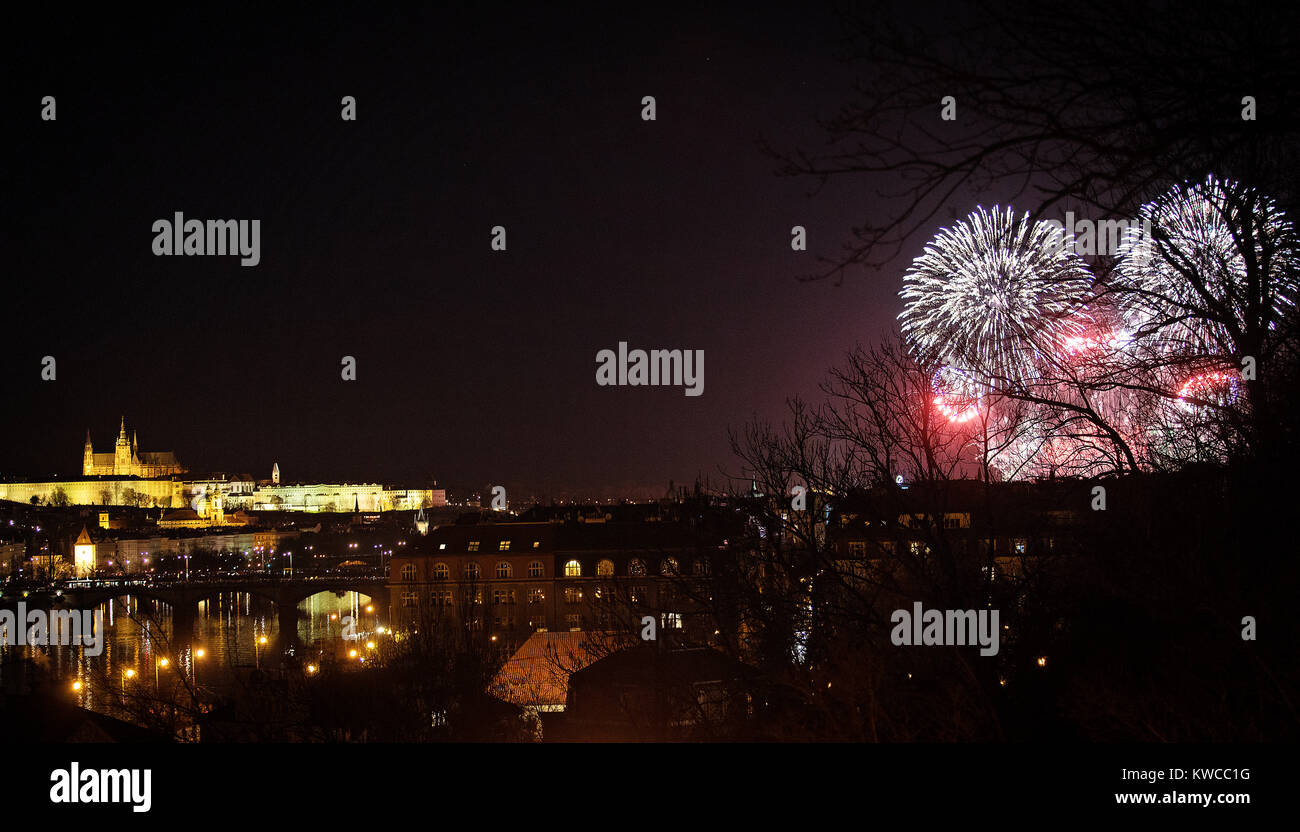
{"type": "Point", "coordinates": [164, 493]}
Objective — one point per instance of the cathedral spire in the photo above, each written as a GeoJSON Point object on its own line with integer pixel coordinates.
{"type": "Point", "coordinates": [121, 433]}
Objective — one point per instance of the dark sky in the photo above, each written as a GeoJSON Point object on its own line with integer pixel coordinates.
{"type": "Point", "coordinates": [474, 366]}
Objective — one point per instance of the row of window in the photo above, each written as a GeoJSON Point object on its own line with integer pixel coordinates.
{"type": "Point", "coordinates": [669, 620]}
{"type": "Point", "coordinates": [502, 546]}
{"type": "Point", "coordinates": [445, 597]}
{"type": "Point", "coordinates": [858, 548]}
{"type": "Point", "coordinates": [636, 568]}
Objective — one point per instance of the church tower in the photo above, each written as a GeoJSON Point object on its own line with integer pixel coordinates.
{"type": "Point", "coordinates": [217, 508]}
{"type": "Point", "coordinates": [122, 452]}
{"type": "Point", "coordinates": [275, 473]}
{"type": "Point", "coordinates": [88, 457]}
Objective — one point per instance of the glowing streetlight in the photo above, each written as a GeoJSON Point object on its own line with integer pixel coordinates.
{"type": "Point", "coordinates": [76, 685]}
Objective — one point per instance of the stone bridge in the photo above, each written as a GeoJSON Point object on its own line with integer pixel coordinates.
{"type": "Point", "coordinates": [184, 596]}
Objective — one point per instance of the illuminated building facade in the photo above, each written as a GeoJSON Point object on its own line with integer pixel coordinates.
{"type": "Point", "coordinates": [127, 460]}
{"type": "Point", "coordinates": [130, 477]}
{"type": "Point", "coordinates": [510, 580]}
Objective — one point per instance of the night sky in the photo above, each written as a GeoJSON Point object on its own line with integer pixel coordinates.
{"type": "Point", "coordinates": [474, 366]}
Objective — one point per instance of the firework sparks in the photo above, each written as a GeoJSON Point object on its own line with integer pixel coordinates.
{"type": "Point", "coordinates": [1188, 289]}
{"type": "Point", "coordinates": [958, 396]}
{"type": "Point", "coordinates": [994, 293]}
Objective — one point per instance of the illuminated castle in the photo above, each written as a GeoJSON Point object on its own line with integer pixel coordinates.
{"type": "Point", "coordinates": [127, 460]}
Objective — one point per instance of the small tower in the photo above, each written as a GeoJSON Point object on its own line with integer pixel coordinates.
{"type": "Point", "coordinates": [421, 522]}
{"type": "Point", "coordinates": [275, 473]}
{"type": "Point", "coordinates": [84, 554]}
{"type": "Point", "coordinates": [88, 457]}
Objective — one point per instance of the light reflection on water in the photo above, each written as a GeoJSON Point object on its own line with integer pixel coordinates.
{"type": "Point", "coordinates": [140, 652]}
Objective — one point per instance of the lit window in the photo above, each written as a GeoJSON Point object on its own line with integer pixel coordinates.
{"type": "Point", "coordinates": [441, 597]}
{"type": "Point", "coordinates": [572, 595]}
{"type": "Point", "coordinates": [442, 545]}
{"type": "Point", "coordinates": [409, 599]}
{"type": "Point", "coordinates": [636, 568]}
{"type": "Point", "coordinates": [471, 570]}
{"type": "Point", "coordinates": [473, 546]}
{"type": "Point", "coordinates": [536, 596]}
{"type": "Point", "coordinates": [672, 621]}
{"type": "Point", "coordinates": [536, 569]}
{"type": "Point", "coordinates": [408, 572]}
{"type": "Point", "coordinates": [573, 569]}
{"type": "Point", "coordinates": [503, 569]}
{"type": "Point", "coordinates": [536, 543]}
{"type": "Point", "coordinates": [703, 567]}
{"type": "Point", "coordinates": [503, 597]}
{"type": "Point", "coordinates": [441, 572]}
{"type": "Point", "coordinates": [668, 566]}
{"type": "Point", "coordinates": [605, 568]}
{"type": "Point", "coordinates": [503, 546]}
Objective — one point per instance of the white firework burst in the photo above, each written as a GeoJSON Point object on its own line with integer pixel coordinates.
{"type": "Point", "coordinates": [1183, 285]}
{"type": "Point", "coordinates": [993, 294]}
